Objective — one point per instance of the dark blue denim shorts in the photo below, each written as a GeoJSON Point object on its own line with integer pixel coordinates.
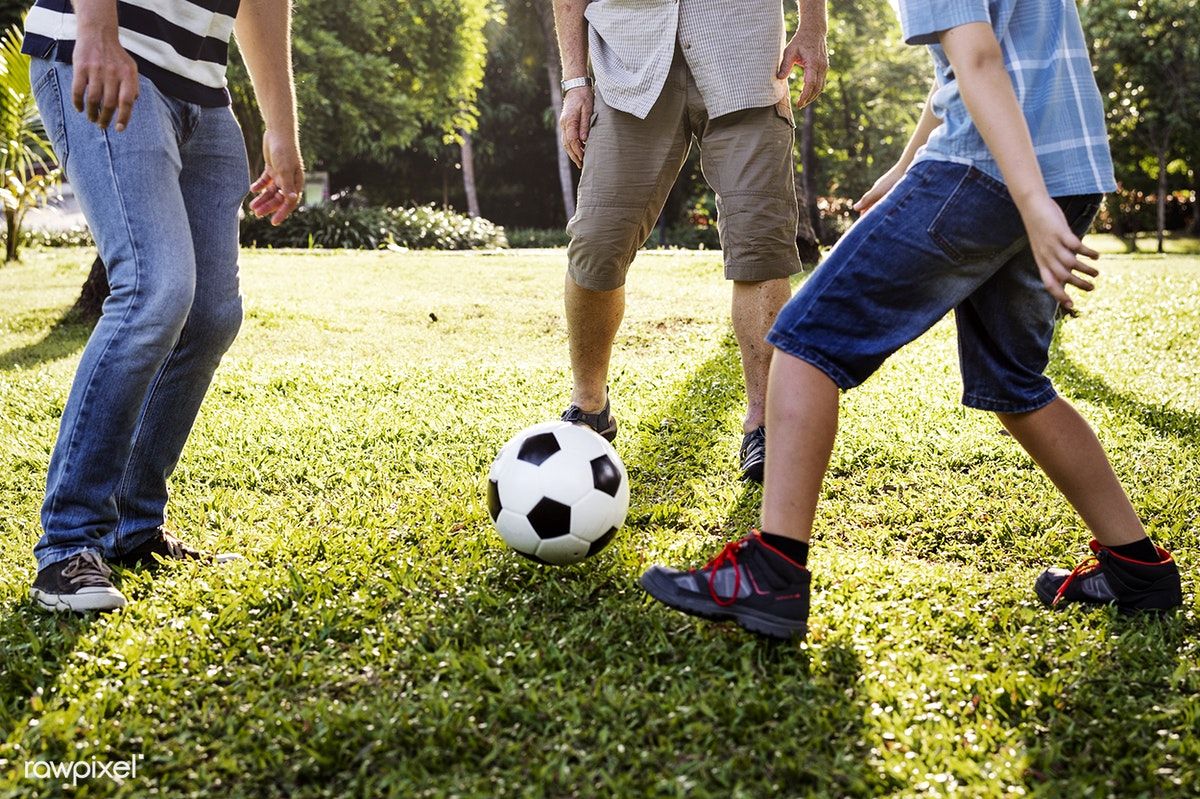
{"type": "Point", "coordinates": [947, 237]}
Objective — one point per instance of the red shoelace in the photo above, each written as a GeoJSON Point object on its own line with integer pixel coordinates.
{"type": "Point", "coordinates": [726, 555]}
{"type": "Point", "coordinates": [1083, 569]}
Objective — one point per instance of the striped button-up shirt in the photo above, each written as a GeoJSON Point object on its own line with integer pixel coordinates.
{"type": "Point", "coordinates": [1046, 55]}
{"type": "Point", "coordinates": [732, 47]}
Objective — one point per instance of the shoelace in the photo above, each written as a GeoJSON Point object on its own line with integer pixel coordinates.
{"type": "Point", "coordinates": [1088, 566]}
{"type": "Point", "coordinates": [726, 555]}
{"type": "Point", "coordinates": [87, 569]}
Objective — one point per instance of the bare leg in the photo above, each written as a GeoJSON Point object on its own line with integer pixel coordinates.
{"type": "Point", "coordinates": [755, 306]}
{"type": "Point", "coordinates": [1067, 449]}
{"type": "Point", "coordinates": [593, 318]}
{"type": "Point", "coordinates": [802, 418]}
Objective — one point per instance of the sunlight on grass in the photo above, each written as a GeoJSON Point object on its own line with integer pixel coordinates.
{"type": "Point", "coordinates": [380, 641]}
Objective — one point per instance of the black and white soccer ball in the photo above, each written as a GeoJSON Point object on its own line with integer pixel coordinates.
{"type": "Point", "coordinates": [558, 493]}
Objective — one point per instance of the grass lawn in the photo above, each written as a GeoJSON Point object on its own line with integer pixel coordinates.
{"type": "Point", "coordinates": [381, 641]}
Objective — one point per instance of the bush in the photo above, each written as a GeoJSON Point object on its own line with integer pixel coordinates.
{"type": "Point", "coordinates": [333, 227]}
{"type": "Point", "coordinates": [533, 238]}
{"type": "Point", "coordinates": [78, 236]}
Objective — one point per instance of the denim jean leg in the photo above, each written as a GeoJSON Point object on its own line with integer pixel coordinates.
{"type": "Point", "coordinates": [128, 187]}
{"type": "Point", "coordinates": [214, 181]}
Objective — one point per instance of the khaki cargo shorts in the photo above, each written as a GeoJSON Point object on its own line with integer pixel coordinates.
{"type": "Point", "coordinates": [631, 165]}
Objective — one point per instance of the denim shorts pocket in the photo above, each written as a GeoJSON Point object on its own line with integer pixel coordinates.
{"type": "Point", "coordinates": [47, 91]}
{"type": "Point", "coordinates": [978, 221]}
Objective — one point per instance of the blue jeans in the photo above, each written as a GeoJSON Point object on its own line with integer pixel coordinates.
{"type": "Point", "coordinates": [162, 201]}
{"type": "Point", "coordinates": [947, 237]}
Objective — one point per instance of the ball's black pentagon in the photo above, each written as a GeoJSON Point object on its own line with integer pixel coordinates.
{"type": "Point", "coordinates": [536, 449]}
{"type": "Point", "coordinates": [601, 542]}
{"type": "Point", "coordinates": [493, 499]}
{"type": "Point", "coordinates": [550, 519]}
{"type": "Point", "coordinates": [606, 476]}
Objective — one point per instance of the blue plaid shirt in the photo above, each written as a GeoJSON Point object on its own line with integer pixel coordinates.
{"type": "Point", "coordinates": [1046, 56]}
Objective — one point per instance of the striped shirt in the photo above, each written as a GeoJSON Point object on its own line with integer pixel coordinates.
{"type": "Point", "coordinates": [182, 46]}
{"type": "Point", "coordinates": [733, 50]}
{"type": "Point", "coordinates": [1046, 56]}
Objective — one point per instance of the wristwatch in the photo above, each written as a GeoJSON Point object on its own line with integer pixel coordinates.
{"type": "Point", "coordinates": [576, 83]}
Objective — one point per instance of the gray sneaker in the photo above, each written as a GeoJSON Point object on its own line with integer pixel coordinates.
{"type": "Point", "coordinates": [603, 422]}
{"type": "Point", "coordinates": [78, 584]}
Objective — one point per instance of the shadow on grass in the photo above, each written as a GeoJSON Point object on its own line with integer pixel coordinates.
{"type": "Point", "coordinates": [1081, 383]}
{"type": "Point", "coordinates": [1116, 726]}
{"type": "Point", "coordinates": [66, 336]}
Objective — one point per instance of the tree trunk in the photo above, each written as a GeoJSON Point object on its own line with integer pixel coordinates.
{"type": "Point", "coordinates": [468, 172]}
{"type": "Point", "coordinates": [1194, 229]}
{"type": "Point", "coordinates": [545, 12]}
{"type": "Point", "coordinates": [1162, 196]}
{"type": "Point", "coordinates": [806, 238]}
{"type": "Point", "coordinates": [91, 298]}
{"type": "Point", "coordinates": [808, 163]}
{"type": "Point", "coordinates": [12, 245]}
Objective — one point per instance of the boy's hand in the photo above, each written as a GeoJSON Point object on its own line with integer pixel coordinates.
{"type": "Point", "coordinates": [877, 192]}
{"type": "Point", "coordinates": [1055, 248]}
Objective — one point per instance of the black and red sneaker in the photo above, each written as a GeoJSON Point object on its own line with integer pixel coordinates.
{"type": "Point", "coordinates": [748, 582]}
{"type": "Point", "coordinates": [1107, 578]}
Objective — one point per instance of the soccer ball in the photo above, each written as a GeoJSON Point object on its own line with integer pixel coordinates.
{"type": "Point", "coordinates": [558, 493]}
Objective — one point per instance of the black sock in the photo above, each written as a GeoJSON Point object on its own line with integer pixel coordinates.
{"type": "Point", "coordinates": [1143, 550]}
{"type": "Point", "coordinates": [793, 549]}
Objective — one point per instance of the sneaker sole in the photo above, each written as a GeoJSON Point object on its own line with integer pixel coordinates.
{"type": "Point", "coordinates": [746, 618]}
{"type": "Point", "coordinates": [95, 601]}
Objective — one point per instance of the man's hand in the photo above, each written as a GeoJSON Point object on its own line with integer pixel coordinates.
{"type": "Point", "coordinates": [576, 122]}
{"type": "Point", "coordinates": [1055, 248]}
{"type": "Point", "coordinates": [106, 77]}
{"type": "Point", "coordinates": [807, 49]}
{"type": "Point", "coordinates": [880, 190]}
{"type": "Point", "coordinates": [282, 181]}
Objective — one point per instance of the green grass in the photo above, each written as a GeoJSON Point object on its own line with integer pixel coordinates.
{"type": "Point", "coordinates": [382, 642]}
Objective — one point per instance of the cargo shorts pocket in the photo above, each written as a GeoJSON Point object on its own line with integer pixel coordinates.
{"type": "Point", "coordinates": [978, 221]}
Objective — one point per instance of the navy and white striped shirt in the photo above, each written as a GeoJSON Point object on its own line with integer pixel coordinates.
{"type": "Point", "coordinates": [182, 46]}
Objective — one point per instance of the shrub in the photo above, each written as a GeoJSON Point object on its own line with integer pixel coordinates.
{"type": "Point", "coordinates": [77, 236]}
{"type": "Point", "coordinates": [333, 227]}
{"type": "Point", "coordinates": [531, 238]}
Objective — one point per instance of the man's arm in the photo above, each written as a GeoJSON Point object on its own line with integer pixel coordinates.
{"type": "Point", "coordinates": [106, 77]}
{"type": "Point", "coordinates": [925, 126]}
{"type": "Point", "coordinates": [263, 29]}
{"type": "Point", "coordinates": [807, 48]}
{"type": "Point", "coordinates": [576, 116]}
{"type": "Point", "coordinates": [988, 93]}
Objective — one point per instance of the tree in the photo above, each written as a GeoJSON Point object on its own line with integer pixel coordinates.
{"type": "Point", "coordinates": [374, 76]}
{"type": "Point", "coordinates": [27, 162]}
{"type": "Point", "coordinates": [1147, 59]}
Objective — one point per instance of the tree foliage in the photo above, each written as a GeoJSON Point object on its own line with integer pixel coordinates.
{"type": "Point", "coordinates": [28, 166]}
{"type": "Point", "coordinates": [1147, 59]}
{"type": "Point", "coordinates": [373, 76]}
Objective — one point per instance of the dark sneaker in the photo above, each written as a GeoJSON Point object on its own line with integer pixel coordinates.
{"type": "Point", "coordinates": [753, 454]}
{"type": "Point", "coordinates": [1107, 578]}
{"type": "Point", "coordinates": [164, 548]}
{"type": "Point", "coordinates": [603, 422]}
{"type": "Point", "coordinates": [78, 584]}
{"type": "Point", "coordinates": [748, 582]}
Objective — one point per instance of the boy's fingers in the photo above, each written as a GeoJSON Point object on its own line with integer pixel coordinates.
{"type": "Point", "coordinates": [1086, 251]}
